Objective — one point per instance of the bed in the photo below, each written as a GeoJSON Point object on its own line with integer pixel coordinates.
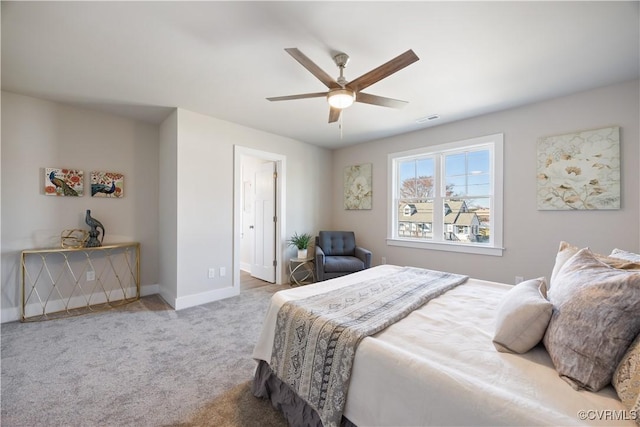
{"type": "Point", "coordinates": [438, 365]}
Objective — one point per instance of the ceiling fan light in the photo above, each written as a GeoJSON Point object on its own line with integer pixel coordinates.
{"type": "Point", "coordinates": [341, 98]}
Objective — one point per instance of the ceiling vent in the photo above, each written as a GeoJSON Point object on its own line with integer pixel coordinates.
{"type": "Point", "coordinates": [428, 118]}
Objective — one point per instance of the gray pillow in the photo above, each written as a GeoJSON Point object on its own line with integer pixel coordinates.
{"type": "Point", "coordinates": [522, 317]}
{"type": "Point", "coordinates": [595, 319]}
{"type": "Point", "coordinates": [626, 379]}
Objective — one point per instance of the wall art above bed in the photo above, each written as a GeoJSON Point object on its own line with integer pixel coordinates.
{"type": "Point", "coordinates": [580, 170]}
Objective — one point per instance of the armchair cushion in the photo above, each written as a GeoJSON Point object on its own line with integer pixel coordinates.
{"type": "Point", "coordinates": [337, 242]}
{"type": "Point", "coordinates": [340, 264]}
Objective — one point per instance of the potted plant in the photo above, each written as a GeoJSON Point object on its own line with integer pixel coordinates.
{"type": "Point", "coordinates": [300, 241]}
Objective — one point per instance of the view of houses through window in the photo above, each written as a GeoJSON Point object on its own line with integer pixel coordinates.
{"type": "Point", "coordinates": [458, 183]}
{"type": "Point", "coordinates": [462, 224]}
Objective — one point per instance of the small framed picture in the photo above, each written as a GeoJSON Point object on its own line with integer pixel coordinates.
{"type": "Point", "coordinates": [63, 182]}
{"type": "Point", "coordinates": [107, 184]}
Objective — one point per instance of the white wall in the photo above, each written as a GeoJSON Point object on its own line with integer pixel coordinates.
{"type": "Point", "coordinates": [204, 200]}
{"type": "Point", "coordinates": [168, 208]}
{"type": "Point", "coordinates": [531, 237]}
{"type": "Point", "coordinates": [38, 134]}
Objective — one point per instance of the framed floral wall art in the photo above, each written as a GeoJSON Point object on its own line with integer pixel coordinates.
{"type": "Point", "coordinates": [107, 184]}
{"type": "Point", "coordinates": [357, 187]}
{"type": "Point", "coordinates": [63, 182]}
{"type": "Point", "coordinates": [579, 171]}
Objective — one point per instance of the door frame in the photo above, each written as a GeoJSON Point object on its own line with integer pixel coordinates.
{"type": "Point", "coordinates": [239, 153]}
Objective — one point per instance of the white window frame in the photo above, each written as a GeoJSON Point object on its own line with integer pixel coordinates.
{"type": "Point", "coordinates": [494, 247]}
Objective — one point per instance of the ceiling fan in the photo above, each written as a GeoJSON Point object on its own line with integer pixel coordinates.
{"type": "Point", "coordinates": [343, 93]}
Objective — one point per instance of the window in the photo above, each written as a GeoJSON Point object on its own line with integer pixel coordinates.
{"type": "Point", "coordinates": [448, 197]}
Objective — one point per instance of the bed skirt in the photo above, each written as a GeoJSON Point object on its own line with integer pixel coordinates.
{"type": "Point", "coordinates": [296, 411]}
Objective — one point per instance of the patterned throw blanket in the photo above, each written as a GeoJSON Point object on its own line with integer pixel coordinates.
{"type": "Point", "coordinates": [316, 337]}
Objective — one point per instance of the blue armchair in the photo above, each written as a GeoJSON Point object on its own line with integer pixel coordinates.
{"type": "Point", "coordinates": [337, 255]}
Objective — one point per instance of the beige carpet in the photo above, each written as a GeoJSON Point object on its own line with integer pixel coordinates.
{"type": "Point", "coordinates": [141, 365]}
{"type": "Point", "coordinates": [237, 408]}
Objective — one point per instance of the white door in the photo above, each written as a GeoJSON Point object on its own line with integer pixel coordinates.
{"type": "Point", "coordinates": [264, 253]}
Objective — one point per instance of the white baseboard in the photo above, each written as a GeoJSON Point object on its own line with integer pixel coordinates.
{"type": "Point", "coordinates": [205, 297]}
{"type": "Point", "coordinates": [149, 290]}
{"type": "Point", "coordinates": [12, 314]}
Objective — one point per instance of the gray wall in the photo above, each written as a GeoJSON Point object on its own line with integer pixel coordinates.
{"type": "Point", "coordinates": [37, 134]}
{"type": "Point", "coordinates": [531, 237]}
{"type": "Point", "coordinates": [204, 153]}
{"type": "Point", "coordinates": [178, 191]}
{"type": "Point", "coordinates": [199, 205]}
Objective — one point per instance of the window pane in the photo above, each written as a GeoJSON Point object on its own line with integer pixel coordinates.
{"type": "Point", "coordinates": [455, 164]}
{"type": "Point", "coordinates": [407, 170]}
{"type": "Point", "coordinates": [479, 185]}
{"type": "Point", "coordinates": [482, 208]}
{"type": "Point", "coordinates": [455, 174]}
{"type": "Point", "coordinates": [416, 179]}
{"type": "Point", "coordinates": [478, 162]}
{"type": "Point", "coordinates": [415, 219]}
{"type": "Point", "coordinates": [424, 178]}
{"type": "Point", "coordinates": [467, 220]}
{"type": "Point", "coordinates": [456, 186]}
{"type": "Point", "coordinates": [468, 173]}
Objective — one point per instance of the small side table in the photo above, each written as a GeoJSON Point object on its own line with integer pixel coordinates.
{"type": "Point", "coordinates": [301, 271]}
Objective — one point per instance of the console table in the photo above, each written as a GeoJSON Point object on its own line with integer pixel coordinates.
{"type": "Point", "coordinates": [71, 281]}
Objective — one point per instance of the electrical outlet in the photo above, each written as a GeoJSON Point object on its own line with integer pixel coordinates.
{"type": "Point", "coordinates": [223, 271]}
{"type": "Point", "coordinates": [91, 276]}
{"type": "Point", "coordinates": [384, 259]}
{"type": "Point", "coordinates": [212, 273]}
{"type": "Point", "coordinates": [519, 279]}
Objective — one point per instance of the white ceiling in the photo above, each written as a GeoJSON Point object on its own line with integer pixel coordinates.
{"type": "Point", "coordinates": [222, 59]}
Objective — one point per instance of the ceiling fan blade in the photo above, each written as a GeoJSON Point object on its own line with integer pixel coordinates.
{"type": "Point", "coordinates": [379, 100]}
{"type": "Point", "coordinates": [334, 114]}
{"type": "Point", "coordinates": [385, 70]}
{"type": "Point", "coordinates": [301, 96]}
{"type": "Point", "coordinates": [313, 68]}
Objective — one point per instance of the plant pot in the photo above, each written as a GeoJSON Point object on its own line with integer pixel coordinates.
{"type": "Point", "coordinates": [302, 253]}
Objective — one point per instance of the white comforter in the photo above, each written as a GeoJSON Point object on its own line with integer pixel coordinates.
{"type": "Point", "coordinates": [438, 366]}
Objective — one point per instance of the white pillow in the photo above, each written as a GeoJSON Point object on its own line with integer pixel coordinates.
{"type": "Point", "coordinates": [618, 259]}
{"type": "Point", "coordinates": [565, 251]}
{"type": "Point", "coordinates": [626, 255]}
{"type": "Point", "coordinates": [523, 316]}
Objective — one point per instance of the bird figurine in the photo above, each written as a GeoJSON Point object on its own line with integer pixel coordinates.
{"type": "Point", "coordinates": [59, 183]}
{"type": "Point", "coordinates": [103, 188]}
{"type": "Point", "coordinates": [93, 234]}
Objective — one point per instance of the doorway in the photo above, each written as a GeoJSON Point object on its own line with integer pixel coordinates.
{"type": "Point", "coordinates": [259, 198]}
